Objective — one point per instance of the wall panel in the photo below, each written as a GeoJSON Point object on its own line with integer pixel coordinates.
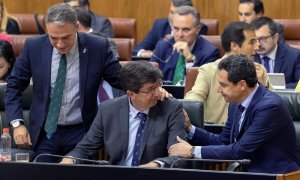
{"type": "Point", "coordinates": [146, 11]}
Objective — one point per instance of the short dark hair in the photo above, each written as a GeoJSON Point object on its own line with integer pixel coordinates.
{"type": "Point", "coordinates": [8, 54]}
{"type": "Point", "coordinates": [261, 21]}
{"type": "Point", "coordinates": [82, 3]}
{"type": "Point", "coordinates": [258, 5]}
{"type": "Point", "coordinates": [61, 13]}
{"type": "Point", "coordinates": [135, 74]}
{"type": "Point", "coordinates": [83, 17]}
{"type": "Point", "coordinates": [234, 32]}
{"type": "Point", "coordinates": [178, 3]}
{"type": "Point", "coordinates": [239, 67]}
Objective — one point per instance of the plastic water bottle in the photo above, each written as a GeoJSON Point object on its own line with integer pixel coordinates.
{"type": "Point", "coordinates": [5, 151]}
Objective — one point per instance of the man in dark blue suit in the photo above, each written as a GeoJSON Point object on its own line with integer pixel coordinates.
{"type": "Point", "coordinates": [87, 60]}
{"type": "Point", "coordinates": [196, 50]}
{"type": "Point", "coordinates": [275, 56]}
{"type": "Point", "coordinates": [259, 126]}
{"type": "Point", "coordinates": [162, 29]}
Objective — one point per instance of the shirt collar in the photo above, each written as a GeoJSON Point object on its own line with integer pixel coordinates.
{"type": "Point", "coordinates": [133, 111]}
{"type": "Point", "coordinates": [248, 99]}
{"type": "Point", "coordinates": [272, 55]}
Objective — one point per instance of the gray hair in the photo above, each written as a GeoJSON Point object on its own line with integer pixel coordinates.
{"type": "Point", "coordinates": [61, 13]}
{"type": "Point", "coordinates": [178, 3]}
{"type": "Point", "coordinates": [186, 10]}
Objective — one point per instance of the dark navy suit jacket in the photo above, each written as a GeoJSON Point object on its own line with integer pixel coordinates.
{"type": "Point", "coordinates": [160, 29]}
{"type": "Point", "coordinates": [267, 136]}
{"type": "Point", "coordinates": [204, 52]}
{"type": "Point", "coordinates": [287, 61]}
{"type": "Point", "coordinates": [95, 62]}
{"type": "Point", "coordinates": [101, 24]}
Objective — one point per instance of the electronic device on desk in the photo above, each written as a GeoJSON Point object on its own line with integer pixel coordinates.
{"type": "Point", "coordinates": [175, 90]}
{"type": "Point", "coordinates": [138, 58]}
{"type": "Point", "coordinates": [277, 80]}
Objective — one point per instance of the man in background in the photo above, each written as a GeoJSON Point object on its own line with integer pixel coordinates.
{"type": "Point", "coordinates": [99, 23]}
{"type": "Point", "coordinates": [162, 28]}
{"type": "Point", "coordinates": [275, 56]}
{"type": "Point", "coordinates": [185, 49]}
{"type": "Point", "coordinates": [250, 10]}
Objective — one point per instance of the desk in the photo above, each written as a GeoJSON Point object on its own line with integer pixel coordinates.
{"type": "Point", "coordinates": [45, 171]}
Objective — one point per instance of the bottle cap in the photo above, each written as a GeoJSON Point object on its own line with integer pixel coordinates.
{"type": "Point", "coordinates": [5, 130]}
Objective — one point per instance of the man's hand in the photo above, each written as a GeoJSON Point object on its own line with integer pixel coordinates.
{"type": "Point", "coordinates": [183, 47]}
{"type": "Point", "coordinates": [150, 164]}
{"type": "Point", "coordinates": [182, 149]}
{"type": "Point", "coordinates": [187, 122]}
{"type": "Point", "coordinates": [67, 161]}
{"type": "Point", "coordinates": [261, 73]}
{"type": "Point", "coordinates": [164, 94]}
{"type": "Point", "coordinates": [146, 53]}
{"type": "Point", "coordinates": [22, 137]}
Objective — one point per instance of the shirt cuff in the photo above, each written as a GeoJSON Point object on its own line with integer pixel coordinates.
{"type": "Point", "coordinates": [16, 121]}
{"type": "Point", "coordinates": [191, 133]}
{"type": "Point", "coordinates": [139, 53]}
{"type": "Point", "coordinates": [162, 164]}
{"type": "Point", "coordinates": [197, 152]}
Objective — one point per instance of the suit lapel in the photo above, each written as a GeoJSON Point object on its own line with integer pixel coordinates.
{"type": "Point", "coordinates": [46, 65]}
{"type": "Point", "coordinates": [279, 58]}
{"type": "Point", "coordinates": [124, 121]}
{"type": "Point", "coordinates": [149, 126]}
{"type": "Point", "coordinates": [257, 97]}
{"type": "Point", "coordinates": [83, 65]}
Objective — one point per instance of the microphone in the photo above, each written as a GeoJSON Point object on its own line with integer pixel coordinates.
{"type": "Point", "coordinates": [169, 57]}
{"type": "Point", "coordinates": [99, 162]}
{"type": "Point", "coordinates": [240, 161]}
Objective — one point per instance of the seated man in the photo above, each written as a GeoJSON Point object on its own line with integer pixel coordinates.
{"type": "Point", "coordinates": [186, 48]}
{"type": "Point", "coordinates": [237, 38]}
{"type": "Point", "coordinates": [275, 56]}
{"type": "Point", "coordinates": [259, 126]}
{"type": "Point", "coordinates": [162, 29]}
{"type": "Point", "coordinates": [249, 10]}
{"type": "Point", "coordinates": [99, 23]}
{"type": "Point", "coordinates": [142, 129]}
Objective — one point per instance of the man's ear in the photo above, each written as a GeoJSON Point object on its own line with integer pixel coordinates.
{"type": "Point", "coordinates": [234, 47]}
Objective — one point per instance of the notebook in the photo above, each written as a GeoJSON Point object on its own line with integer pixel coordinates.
{"type": "Point", "coordinates": [277, 80]}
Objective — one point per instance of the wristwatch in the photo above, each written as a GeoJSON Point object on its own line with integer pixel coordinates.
{"type": "Point", "coordinates": [192, 150]}
{"type": "Point", "coordinates": [16, 124]}
{"type": "Point", "coordinates": [193, 59]}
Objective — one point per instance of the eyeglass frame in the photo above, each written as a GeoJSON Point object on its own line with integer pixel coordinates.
{"type": "Point", "coordinates": [153, 89]}
{"type": "Point", "coordinates": [263, 39]}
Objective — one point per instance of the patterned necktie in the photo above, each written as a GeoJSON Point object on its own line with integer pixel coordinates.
{"type": "Point", "coordinates": [266, 63]}
{"type": "Point", "coordinates": [102, 93]}
{"type": "Point", "coordinates": [138, 139]}
{"type": "Point", "coordinates": [237, 121]}
{"type": "Point", "coordinates": [56, 99]}
{"type": "Point", "coordinates": [179, 71]}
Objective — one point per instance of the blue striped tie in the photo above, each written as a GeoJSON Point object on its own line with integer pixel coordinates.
{"type": "Point", "coordinates": [56, 99]}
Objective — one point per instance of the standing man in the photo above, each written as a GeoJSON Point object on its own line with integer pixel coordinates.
{"type": "Point", "coordinates": [275, 56]}
{"type": "Point", "coordinates": [162, 28]}
{"type": "Point", "coordinates": [237, 38]}
{"type": "Point", "coordinates": [142, 130]}
{"type": "Point", "coordinates": [66, 69]}
{"type": "Point", "coordinates": [259, 126]}
{"type": "Point", "coordinates": [99, 23]}
{"type": "Point", "coordinates": [186, 48]}
{"type": "Point", "coordinates": [249, 10]}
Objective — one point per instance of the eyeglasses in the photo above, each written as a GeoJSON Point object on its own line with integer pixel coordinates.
{"type": "Point", "coordinates": [264, 38]}
{"type": "Point", "coordinates": [152, 89]}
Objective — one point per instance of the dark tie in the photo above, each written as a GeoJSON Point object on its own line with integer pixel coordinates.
{"type": "Point", "coordinates": [138, 140]}
{"type": "Point", "coordinates": [102, 93]}
{"type": "Point", "coordinates": [266, 63]}
{"type": "Point", "coordinates": [179, 71]}
{"type": "Point", "coordinates": [56, 99]}
{"type": "Point", "coordinates": [237, 120]}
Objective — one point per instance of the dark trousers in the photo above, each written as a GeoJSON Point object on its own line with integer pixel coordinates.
{"type": "Point", "coordinates": [62, 142]}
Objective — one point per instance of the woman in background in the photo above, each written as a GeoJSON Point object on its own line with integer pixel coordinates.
{"type": "Point", "coordinates": [7, 59]}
